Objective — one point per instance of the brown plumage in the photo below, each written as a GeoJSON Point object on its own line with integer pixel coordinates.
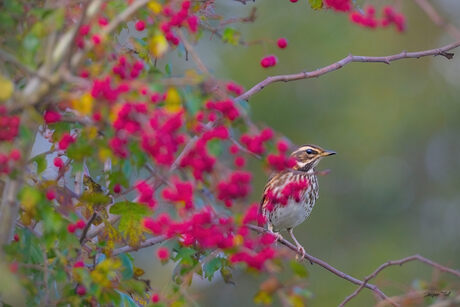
{"type": "Point", "coordinates": [289, 196]}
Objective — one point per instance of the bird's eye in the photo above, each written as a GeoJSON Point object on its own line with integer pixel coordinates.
{"type": "Point", "coordinates": [309, 151]}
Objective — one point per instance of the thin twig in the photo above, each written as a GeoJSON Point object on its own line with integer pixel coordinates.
{"type": "Point", "coordinates": [87, 226]}
{"type": "Point", "coordinates": [442, 51]}
{"type": "Point", "coordinates": [146, 243]}
{"type": "Point", "coordinates": [437, 19]}
{"type": "Point", "coordinates": [400, 262]}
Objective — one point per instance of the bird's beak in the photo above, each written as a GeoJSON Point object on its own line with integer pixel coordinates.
{"type": "Point", "coordinates": [328, 153]}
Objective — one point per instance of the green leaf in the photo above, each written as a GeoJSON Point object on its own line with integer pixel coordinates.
{"type": "Point", "coordinates": [130, 225]}
{"type": "Point", "coordinates": [298, 269]}
{"type": "Point", "coordinates": [168, 69]}
{"type": "Point", "coordinates": [128, 270]}
{"type": "Point", "coordinates": [316, 4]}
{"type": "Point", "coordinates": [214, 147]}
{"type": "Point", "coordinates": [231, 36]}
{"type": "Point", "coordinates": [41, 163]}
{"type": "Point", "coordinates": [129, 208]}
{"type": "Point", "coordinates": [211, 267]}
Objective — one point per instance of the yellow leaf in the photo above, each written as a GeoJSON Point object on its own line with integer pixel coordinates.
{"type": "Point", "coordinates": [6, 88]}
{"type": "Point", "coordinates": [104, 154]}
{"type": "Point", "coordinates": [173, 101]}
{"type": "Point", "coordinates": [84, 105]}
{"type": "Point", "coordinates": [158, 45]}
{"type": "Point", "coordinates": [154, 6]}
{"type": "Point", "coordinates": [296, 301]}
{"type": "Point", "coordinates": [92, 132]}
{"type": "Point", "coordinates": [238, 240]}
{"type": "Point", "coordinates": [263, 297]}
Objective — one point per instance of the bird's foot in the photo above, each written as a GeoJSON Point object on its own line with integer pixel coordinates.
{"type": "Point", "coordinates": [277, 235]}
{"type": "Point", "coordinates": [301, 253]}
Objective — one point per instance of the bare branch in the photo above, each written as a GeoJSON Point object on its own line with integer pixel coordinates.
{"type": "Point", "coordinates": [346, 60]}
{"type": "Point", "coordinates": [400, 262]}
{"type": "Point", "coordinates": [437, 19]}
{"type": "Point", "coordinates": [327, 266]}
{"type": "Point", "coordinates": [146, 243]}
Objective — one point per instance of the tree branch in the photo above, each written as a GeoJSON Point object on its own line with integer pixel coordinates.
{"type": "Point", "coordinates": [437, 19]}
{"type": "Point", "coordinates": [327, 266]}
{"type": "Point", "coordinates": [146, 243]}
{"type": "Point", "coordinates": [400, 262]}
{"type": "Point", "coordinates": [346, 60]}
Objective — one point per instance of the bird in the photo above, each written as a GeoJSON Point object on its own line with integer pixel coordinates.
{"type": "Point", "coordinates": [290, 195]}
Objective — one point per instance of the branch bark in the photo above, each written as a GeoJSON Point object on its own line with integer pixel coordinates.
{"type": "Point", "coordinates": [399, 262]}
{"type": "Point", "coordinates": [442, 51]}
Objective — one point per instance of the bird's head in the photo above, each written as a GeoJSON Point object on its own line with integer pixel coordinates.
{"type": "Point", "coordinates": [308, 156]}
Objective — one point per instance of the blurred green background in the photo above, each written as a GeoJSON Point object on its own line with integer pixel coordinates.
{"type": "Point", "coordinates": [394, 188]}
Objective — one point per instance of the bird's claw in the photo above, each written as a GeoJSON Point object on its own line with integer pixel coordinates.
{"type": "Point", "coordinates": [301, 250]}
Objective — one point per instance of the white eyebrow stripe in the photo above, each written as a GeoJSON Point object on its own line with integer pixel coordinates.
{"type": "Point", "coordinates": [303, 148]}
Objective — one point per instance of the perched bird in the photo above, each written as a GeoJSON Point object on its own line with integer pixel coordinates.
{"type": "Point", "coordinates": [290, 195]}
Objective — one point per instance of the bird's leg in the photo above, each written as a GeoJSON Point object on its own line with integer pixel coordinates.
{"type": "Point", "coordinates": [299, 246]}
{"type": "Point", "coordinates": [277, 235]}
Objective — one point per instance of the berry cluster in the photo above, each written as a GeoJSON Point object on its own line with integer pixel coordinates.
{"type": "Point", "coordinates": [238, 186]}
{"type": "Point", "coordinates": [198, 157]}
{"type": "Point", "coordinates": [6, 160]}
{"type": "Point", "coordinates": [146, 193]}
{"type": "Point", "coordinates": [127, 70]}
{"type": "Point", "coordinates": [72, 227]}
{"type": "Point", "coordinates": [226, 107]}
{"type": "Point", "coordinates": [255, 144]}
{"type": "Point", "coordinates": [205, 229]}
{"type": "Point", "coordinates": [180, 192]}
{"type": "Point", "coordinates": [162, 140]}
{"type": "Point", "coordinates": [281, 161]}
{"type": "Point", "coordinates": [178, 19]}
{"type": "Point", "coordinates": [9, 125]}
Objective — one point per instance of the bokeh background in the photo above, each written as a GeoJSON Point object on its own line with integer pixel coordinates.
{"type": "Point", "coordinates": [394, 187]}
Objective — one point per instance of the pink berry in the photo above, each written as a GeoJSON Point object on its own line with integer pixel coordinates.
{"type": "Point", "coordinates": [155, 298]}
{"type": "Point", "coordinates": [293, 1]}
{"type": "Point", "coordinates": [96, 39]}
{"type": "Point", "coordinates": [163, 253]}
{"type": "Point", "coordinates": [50, 194]}
{"type": "Point", "coordinates": [58, 162]}
{"type": "Point", "coordinates": [81, 290]}
{"type": "Point", "coordinates": [15, 155]}
{"type": "Point", "coordinates": [79, 264]}
{"type": "Point", "coordinates": [117, 188]}
{"type": "Point", "coordinates": [140, 25]}
{"type": "Point", "coordinates": [80, 224]}
{"type": "Point", "coordinates": [282, 43]}
{"type": "Point", "coordinates": [71, 228]}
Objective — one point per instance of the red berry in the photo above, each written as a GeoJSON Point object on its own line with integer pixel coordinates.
{"type": "Point", "coordinates": [155, 298]}
{"type": "Point", "coordinates": [96, 39]}
{"type": "Point", "coordinates": [80, 224]}
{"type": "Point", "coordinates": [15, 155]}
{"type": "Point", "coordinates": [117, 188]}
{"type": "Point", "coordinates": [79, 264]}
{"type": "Point", "coordinates": [71, 228]}
{"type": "Point", "coordinates": [163, 253]}
{"type": "Point", "coordinates": [50, 194]}
{"type": "Point", "coordinates": [240, 161]}
{"type": "Point", "coordinates": [81, 290]}
{"type": "Point", "coordinates": [58, 162]}
{"type": "Point", "coordinates": [16, 237]}
{"type": "Point", "coordinates": [140, 25]}
{"type": "Point", "coordinates": [293, 1]}
{"type": "Point", "coordinates": [97, 116]}
{"type": "Point", "coordinates": [282, 43]}
{"type": "Point", "coordinates": [103, 21]}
